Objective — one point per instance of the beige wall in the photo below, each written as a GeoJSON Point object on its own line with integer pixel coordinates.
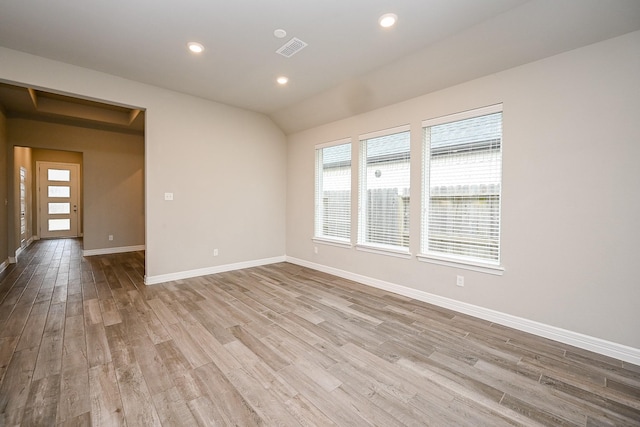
{"type": "Point", "coordinates": [4, 152]}
{"type": "Point", "coordinates": [112, 176]}
{"type": "Point", "coordinates": [225, 166]}
{"type": "Point", "coordinates": [571, 199]}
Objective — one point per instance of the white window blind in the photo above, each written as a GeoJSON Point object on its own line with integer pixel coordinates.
{"type": "Point", "coordinates": [333, 192]}
{"type": "Point", "coordinates": [384, 190]}
{"type": "Point", "coordinates": [462, 186]}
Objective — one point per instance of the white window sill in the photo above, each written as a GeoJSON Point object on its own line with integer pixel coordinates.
{"type": "Point", "coordinates": [464, 264]}
{"type": "Point", "coordinates": [338, 243]}
{"type": "Point", "coordinates": [381, 250]}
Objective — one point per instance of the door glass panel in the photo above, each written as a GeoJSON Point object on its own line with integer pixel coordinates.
{"type": "Point", "coordinates": [58, 175]}
{"type": "Point", "coordinates": [59, 224]}
{"type": "Point", "coordinates": [59, 191]}
{"type": "Point", "coordinates": [59, 208]}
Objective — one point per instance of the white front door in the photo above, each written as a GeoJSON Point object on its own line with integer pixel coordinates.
{"type": "Point", "coordinates": [58, 199]}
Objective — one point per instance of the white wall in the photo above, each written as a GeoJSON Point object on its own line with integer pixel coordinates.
{"type": "Point", "coordinates": [225, 166]}
{"type": "Point", "coordinates": [571, 200]}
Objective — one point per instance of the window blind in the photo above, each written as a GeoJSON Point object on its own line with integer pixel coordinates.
{"type": "Point", "coordinates": [384, 190]}
{"type": "Point", "coordinates": [333, 192]}
{"type": "Point", "coordinates": [463, 179]}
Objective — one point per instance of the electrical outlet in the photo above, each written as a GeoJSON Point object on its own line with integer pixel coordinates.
{"type": "Point", "coordinates": [215, 252]}
{"type": "Point", "coordinates": [110, 237]}
{"type": "Point", "coordinates": [460, 280]}
{"type": "Point", "coordinates": [315, 250]}
{"type": "Point", "coordinates": [168, 196]}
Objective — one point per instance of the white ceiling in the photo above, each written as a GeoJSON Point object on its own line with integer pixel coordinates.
{"type": "Point", "coordinates": [350, 65]}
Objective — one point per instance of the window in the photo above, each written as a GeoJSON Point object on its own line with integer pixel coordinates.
{"type": "Point", "coordinates": [23, 204]}
{"type": "Point", "coordinates": [333, 192]}
{"type": "Point", "coordinates": [462, 186]}
{"type": "Point", "coordinates": [384, 190]}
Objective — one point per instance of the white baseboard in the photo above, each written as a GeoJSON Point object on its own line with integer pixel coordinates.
{"type": "Point", "coordinates": [162, 278]}
{"type": "Point", "coordinates": [4, 265]}
{"type": "Point", "coordinates": [14, 259]}
{"type": "Point", "coordinates": [586, 342]}
{"type": "Point", "coordinates": [18, 252]}
{"type": "Point", "coordinates": [107, 251]}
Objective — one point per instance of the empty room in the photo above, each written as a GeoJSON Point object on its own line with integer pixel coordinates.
{"type": "Point", "coordinates": [367, 212]}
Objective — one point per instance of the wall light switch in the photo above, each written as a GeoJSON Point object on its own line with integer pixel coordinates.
{"type": "Point", "coordinates": [460, 280]}
{"type": "Point", "coordinates": [168, 196]}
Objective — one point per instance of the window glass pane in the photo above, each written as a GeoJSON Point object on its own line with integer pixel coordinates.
{"type": "Point", "coordinates": [384, 194]}
{"type": "Point", "coordinates": [59, 208]}
{"type": "Point", "coordinates": [463, 178]}
{"type": "Point", "coordinates": [59, 191]}
{"type": "Point", "coordinates": [59, 224]}
{"type": "Point", "coordinates": [58, 175]}
{"type": "Point", "coordinates": [333, 192]}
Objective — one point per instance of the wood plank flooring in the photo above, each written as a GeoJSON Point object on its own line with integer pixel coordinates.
{"type": "Point", "coordinates": [84, 342]}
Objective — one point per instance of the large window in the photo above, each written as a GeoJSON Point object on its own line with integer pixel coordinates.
{"type": "Point", "coordinates": [384, 190]}
{"type": "Point", "coordinates": [462, 186]}
{"type": "Point", "coordinates": [333, 192]}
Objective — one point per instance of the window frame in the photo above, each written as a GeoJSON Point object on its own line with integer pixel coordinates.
{"type": "Point", "coordinates": [319, 216]}
{"type": "Point", "coordinates": [441, 258]}
{"type": "Point", "coordinates": [362, 244]}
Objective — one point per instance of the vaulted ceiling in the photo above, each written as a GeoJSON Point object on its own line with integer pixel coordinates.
{"type": "Point", "coordinates": [350, 64]}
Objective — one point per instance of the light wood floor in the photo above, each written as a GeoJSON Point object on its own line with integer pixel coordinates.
{"type": "Point", "coordinates": [84, 342]}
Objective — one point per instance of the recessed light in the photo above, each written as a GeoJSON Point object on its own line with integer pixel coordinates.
{"type": "Point", "coordinates": [280, 33]}
{"type": "Point", "coordinates": [195, 47]}
{"type": "Point", "coordinates": [388, 20]}
{"type": "Point", "coordinates": [282, 80]}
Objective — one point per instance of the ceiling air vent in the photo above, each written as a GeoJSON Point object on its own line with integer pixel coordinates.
{"type": "Point", "coordinates": [292, 47]}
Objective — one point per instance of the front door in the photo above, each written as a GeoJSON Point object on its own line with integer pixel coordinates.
{"type": "Point", "coordinates": [58, 199]}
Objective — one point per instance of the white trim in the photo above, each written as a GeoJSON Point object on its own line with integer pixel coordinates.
{"type": "Point", "coordinates": [18, 252]}
{"type": "Point", "coordinates": [586, 342]}
{"type": "Point", "coordinates": [384, 132]}
{"type": "Point", "coordinates": [107, 251]}
{"type": "Point", "coordinates": [342, 141]}
{"type": "Point", "coordinates": [4, 265]}
{"type": "Point", "coordinates": [162, 278]}
{"type": "Point", "coordinates": [382, 250]}
{"type": "Point", "coordinates": [338, 243]}
{"type": "Point", "coordinates": [14, 259]}
{"type": "Point", "coordinates": [476, 112]}
{"type": "Point", "coordinates": [463, 264]}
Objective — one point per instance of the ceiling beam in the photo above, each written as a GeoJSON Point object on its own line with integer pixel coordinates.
{"type": "Point", "coordinates": [34, 97]}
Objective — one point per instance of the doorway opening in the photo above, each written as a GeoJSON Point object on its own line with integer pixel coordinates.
{"type": "Point", "coordinates": [103, 203]}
